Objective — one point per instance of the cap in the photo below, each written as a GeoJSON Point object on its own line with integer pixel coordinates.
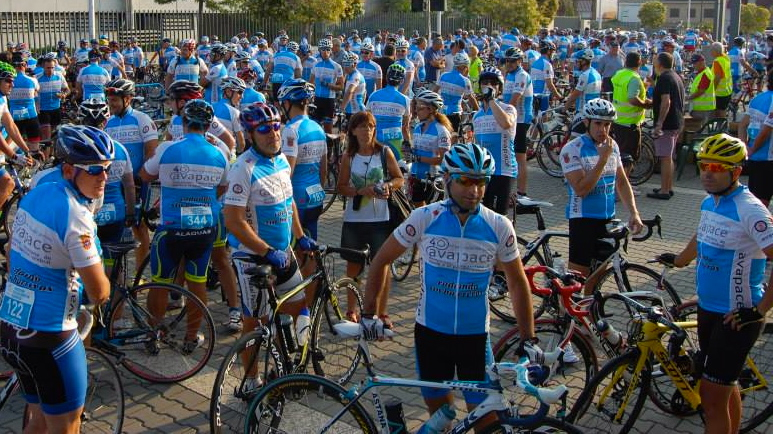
{"type": "Point", "coordinates": [697, 58]}
{"type": "Point", "coordinates": [614, 44]}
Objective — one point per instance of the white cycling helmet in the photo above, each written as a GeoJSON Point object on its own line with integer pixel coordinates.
{"type": "Point", "coordinates": [367, 47]}
{"type": "Point", "coordinates": [430, 98]}
{"type": "Point", "coordinates": [599, 109]}
{"type": "Point", "coordinates": [349, 59]}
{"type": "Point", "coordinates": [401, 44]}
{"type": "Point", "coordinates": [324, 44]}
{"type": "Point", "coordinates": [586, 54]}
{"type": "Point", "coordinates": [461, 59]}
{"type": "Point", "coordinates": [292, 46]}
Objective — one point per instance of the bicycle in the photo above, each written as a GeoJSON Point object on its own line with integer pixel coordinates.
{"type": "Point", "coordinates": [616, 395]}
{"type": "Point", "coordinates": [308, 403]}
{"type": "Point", "coordinates": [336, 144]}
{"type": "Point", "coordinates": [273, 344]}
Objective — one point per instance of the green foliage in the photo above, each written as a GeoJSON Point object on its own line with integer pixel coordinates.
{"type": "Point", "coordinates": [547, 9]}
{"type": "Point", "coordinates": [353, 9]}
{"type": "Point", "coordinates": [652, 14]}
{"type": "Point", "coordinates": [468, 7]}
{"type": "Point", "coordinates": [566, 8]}
{"type": "Point", "coordinates": [754, 18]}
{"type": "Point", "coordinates": [514, 13]}
{"type": "Point", "coordinates": [396, 6]}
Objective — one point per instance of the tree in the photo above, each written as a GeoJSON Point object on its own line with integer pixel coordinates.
{"type": "Point", "coordinates": [547, 10]}
{"type": "Point", "coordinates": [754, 18]}
{"type": "Point", "coordinates": [514, 13]}
{"type": "Point", "coordinates": [566, 8]}
{"type": "Point", "coordinates": [468, 7]}
{"type": "Point", "coordinates": [396, 6]}
{"type": "Point", "coordinates": [217, 5]}
{"type": "Point", "coordinates": [652, 14]}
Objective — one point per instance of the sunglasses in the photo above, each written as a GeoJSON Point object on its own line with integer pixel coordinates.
{"type": "Point", "coordinates": [93, 169]}
{"type": "Point", "coordinates": [267, 128]}
{"type": "Point", "coordinates": [468, 181]}
{"type": "Point", "coordinates": [325, 49]}
{"type": "Point", "coordinates": [716, 167]}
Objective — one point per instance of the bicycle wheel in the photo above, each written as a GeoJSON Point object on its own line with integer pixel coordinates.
{"type": "Point", "coordinates": [499, 297]}
{"type": "Point", "coordinates": [635, 277]}
{"type": "Point", "coordinates": [304, 403]}
{"type": "Point", "coordinates": [104, 408]}
{"type": "Point", "coordinates": [401, 267]}
{"type": "Point", "coordinates": [645, 166]}
{"type": "Point", "coordinates": [9, 214]}
{"type": "Point", "coordinates": [597, 407]}
{"type": "Point", "coordinates": [332, 356]}
{"type": "Point", "coordinates": [244, 369]}
{"type": "Point", "coordinates": [548, 425]}
{"type": "Point", "coordinates": [168, 347]}
{"type": "Point", "coordinates": [151, 211]}
{"type": "Point", "coordinates": [549, 150]}
{"type": "Point", "coordinates": [12, 403]}
{"type": "Point", "coordinates": [578, 366]}
{"type": "Point", "coordinates": [331, 180]}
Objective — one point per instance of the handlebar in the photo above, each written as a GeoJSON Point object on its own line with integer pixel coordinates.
{"type": "Point", "coordinates": [362, 254]}
{"type": "Point", "coordinates": [654, 314]}
{"type": "Point", "coordinates": [86, 328]}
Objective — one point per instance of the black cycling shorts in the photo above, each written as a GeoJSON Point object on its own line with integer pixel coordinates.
{"type": "Point", "coordinates": [356, 235]}
{"type": "Point", "coordinates": [170, 246]}
{"type": "Point", "coordinates": [255, 300]}
{"type": "Point", "coordinates": [725, 349]}
{"type": "Point", "coordinates": [497, 195]}
{"type": "Point", "coordinates": [520, 138]}
{"type": "Point", "coordinates": [584, 236]}
{"type": "Point", "coordinates": [50, 117]}
{"type": "Point", "coordinates": [110, 234]}
{"type": "Point", "coordinates": [30, 129]}
{"type": "Point", "coordinates": [326, 110]}
{"type": "Point", "coordinates": [421, 189]}
{"type": "Point", "coordinates": [759, 179]}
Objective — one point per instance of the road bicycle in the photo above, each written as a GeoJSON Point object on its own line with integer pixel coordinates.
{"type": "Point", "coordinates": [615, 397]}
{"type": "Point", "coordinates": [312, 404]}
{"type": "Point", "coordinates": [271, 351]}
{"type": "Point", "coordinates": [336, 145]}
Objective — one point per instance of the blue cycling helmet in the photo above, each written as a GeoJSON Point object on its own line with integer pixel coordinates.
{"type": "Point", "coordinates": [198, 111]}
{"type": "Point", "coordinates": [258, 113]}
{"type": "Point", "coordinates": [468, 159]}
{"type": "Point", "coordinates": [81, 144]}
{"type": "Point", "coordinates": [296, 90]}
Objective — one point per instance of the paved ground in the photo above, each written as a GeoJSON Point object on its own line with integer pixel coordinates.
{"type": "Point", "coordinates": [183, 408]}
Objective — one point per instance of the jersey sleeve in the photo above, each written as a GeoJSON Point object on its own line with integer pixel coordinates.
{"type": "Point", "coordinates": [216, 128]}
{"type": "Point", "coordinates": [80, 239]}
{"type": "Point", "coordinates": [759, 224]}
{"type": "Point", "coordinates": [443, 137]}
{"type": "Point", "coordinates": [153, 164]}
{"type": "Point", "coordinates": [507, 247]}
{"type": "Point", "coordinates": [172, 66]}
{"type": "Point", "coordinates": [239, 178]}
{"type": "Point", "coordinates": [147, 127]}
{"type": "Point", "coordinates": [290, 142]}
{"type": "Point", "coordinates": [213, 73]}
{"type": "Point", "coordinates": [570, 158]}
{"type": "Point", "coordinates": [410, 231]}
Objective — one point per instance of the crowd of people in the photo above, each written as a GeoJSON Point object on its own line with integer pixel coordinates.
{"type": "Point", "coordinates": [243, 168]}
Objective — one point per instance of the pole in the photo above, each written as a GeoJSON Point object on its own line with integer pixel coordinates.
{"type": "Point", "coordinates": [735, 18]}
{"type": "Point", "coordinates": [438, 23]}
{"type": "Point", "coordinates": [429, 19]}
{"type": "Point", "coordinates": [598, 12]}
{"type": "Point", "coordinates": [92, 20]}
{"type": "Point", "coordinates": [689, 13]}
{"type": "Point", "coordinates": [719, 21]}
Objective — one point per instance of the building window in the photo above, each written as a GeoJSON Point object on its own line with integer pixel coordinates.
{"type": "Point", "coordinates": [708, 13]}
{"type": "Point", "coordinates": [673, 13]}
{"type": "Point", "coordinates": [692, 13]}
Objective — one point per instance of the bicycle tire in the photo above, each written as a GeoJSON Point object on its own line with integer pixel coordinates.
{"type": "Point", "coordinates": [331, 181]}
{"type": "Point", "coordinates": [159, 352]}
{"type": "Point", "coordinates": [499, 297]}
{"type": "Point", "coordinates": [551, 333]}
{"type": "Point", "coordinates": [587, 415]}
{"type": "Point", "coordinates": [13, 405]}
{"type": "Point", "coordinates": [548, 151]}
{"type": "Point", "coordinates": [644, 167]}
{"type": "Point", "coordinates": [401, 267]}
{"type": "Point", "coordinates": [648, 280]}
{"type": "Point", "coordinates": [547, 425]}
{"type": "Point", "coordinates": [151, 206]}
{"type": "Point", "coordinates": [103, 410]}
{"type": "Point", "coordinates": [9, 214]}
{"type": "Point", "coordinates": [332, 356]}
{"type": "Point", "coordinates": [299, 402]}
{"type": "Point", "coordinates": [231, 396]}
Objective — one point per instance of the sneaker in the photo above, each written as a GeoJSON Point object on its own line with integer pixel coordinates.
{"type": "Point", "coordinates": [660, 196]}
{"type": "Point", "coordinates": [657, 190]}
{"type": "Point", "coordinates": [175, 304]}
{"type": "Point", "coordinates": [234, 320]}
{"type": "Point", "coordinates": [569, 355]}
{"type": "Point", "coordinates": [189, 346]}
{"type": "Point", "coordinates": [522, 196]}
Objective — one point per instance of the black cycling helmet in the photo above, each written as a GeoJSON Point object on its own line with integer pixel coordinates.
{"type": "Point", "coordinates": [93, 112]}
{"type": "Point", "coordinates": [546, 46]}
{"type": "Point", "coordinates": [219, 49]}
{"type": "Point", "coordinates": [395, 74]}
{"type": "Point", "coordinates": [491, 73]}
{"type": "Point", "coordinates": [199, 112]}
{"type": "Point", "coordinates": [296, 90]}
{"type": "Point", "coordinates": [739, 41]}
{"type": "Point", "coordinates": [184, 89]}
{"type": "Point", "coordinates": [81, 144]}
{"type": "Point", "coordinates": [120, 87]}
{"type": "Point", "coordinates": [258, 113]}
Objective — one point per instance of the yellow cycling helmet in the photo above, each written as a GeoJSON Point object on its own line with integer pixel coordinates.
{"type": "Point", "coordinates": [723, 147]}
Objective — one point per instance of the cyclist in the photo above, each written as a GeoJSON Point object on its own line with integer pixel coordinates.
{"type": "Point", "coordinates": [53, 89]}
{"type": "Point", "coordinates": [165, 54]}
{"type": "Point", "coordinates": [180, 92]}
{"type": "Point", "coordinates": [369, 69]}
{"type": "Point", "coordinates": [227, 110]}
{"type": "Point", "coordinates": [354, 88]}
{"type": "Point", "coordinates": [327, 77]}
{"type": "Point", "coordinates": [452, 317]}
{"type": "Point", "coordinates": [9, 129]}
{"type": "Point", "coordinates": [594, 173]}
{"type": "Point", "coordinates": [83, 48]}
{"type": "Point", "coordinates": [250, 95]}
{"type": "Point", "coordinates": [204, 48]}
{"type": "Point", "coordinates": [213, 92]}
{"type": "Point", "coordinates": [186, 66]}
{"type": "Point", "coordinates": [392, 111]}
{"type": "Point", "coordinates": [38, 330]}
{"type": "Point", "coordinates": [401, 53]}
{"type": "Point", "coordinates": [738, 63]}
{"type": "Point", "coordinates": [454, 86]}
{"type": "Point", "coordinates": [519, 93]}
{"type": "Point", "coordinates": [588, 83]}
{"type": "Point", "coordinates": [431, 140]}
{"type": "Point", "coordinates": [756, 125]}
{"type": "Point", "coordinates": [733, 240]}
{"type": "Point", "coordinates": [263, 56]}
{"type": "Point", "coordinates": [189, 208]}
{"type": "Point", "coordinates": [117, 60]}
{"type": "Point", "coordinates": [243, 61]}
{"type": "Point", "coordinates": [134, 57]}
{"type": "Point", "coordinates": [308, 60]}
{"type": "Point", "coordinates": [22, 102]}
{"type": "Point", "coordinates": [542, 75]}
{"type": "Point", "coordinates": [494, 125]}
{"type": "Point", "coordinates": [283, 66]}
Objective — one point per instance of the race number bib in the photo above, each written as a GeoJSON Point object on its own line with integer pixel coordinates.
{"type": "Point", "coordinates": [196, 217]}
{"type": "Point", "coordinates": [106, 214]}
{"type": "Point", "coordinates": [17, 305]}
{"type": "Point", "coordinates": [394, 133]}
{"type": "Point", "coordinates": [315, 194]}
{"type": "Point", "coordinates": [21, 113]}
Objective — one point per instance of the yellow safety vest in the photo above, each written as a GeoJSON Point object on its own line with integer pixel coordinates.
{"type": "Point", "coordinates": [627, 113]}
{"type": "Point", "coordinates": [725, 86]}
{"type": "Point", "coordinates": [707, 101]}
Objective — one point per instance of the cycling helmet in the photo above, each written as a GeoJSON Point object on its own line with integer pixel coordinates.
{"type": "Point", "coordinates": [48, 56]}
{"type": "Point", "coordinates": [258, 113]}
{"type": "Point", "coordinates": [230, 46]}
{"type": "Point", "coordinates": [198, 111]}
{"type": "Point", "coordinates": [81, 144]}
{"type": "Point", "coordinates": [82, 59]}
{"type": "Point", "coordinates": [546, 46]}
{"type": "Point", "coordinates": [254, 39]}
{"type": "Point", "coordinates": [244, 41]}
{"type": "Point", "coordinates": [599, 109]}
{"type": "Point", "coordinates": [233, 83]}
{"type": "Point", "coordinates": [395, 74]}
{"type": "Point", "coordinates": [292, 46]}
{"type": "Point", "coordinates": [235, 40]}
{"type": "Point", "coordinates": [430, 98]}
{"type": "Point", "coordinates": [468, 159]}
{"type": "Point", "coordinates": [242, 56]}
{"type": "Point", "coordinates": [491, 73]}
{"type": "Point", "coordinates": [324, 44]}
{"type": "Point", "coordinates": [586, 54]}
{"type": "Point", "coordinates": [260, 35]}
{"type": "Point", "coordinates": [247, 74]}
{"type": "Point", "coordinates": [668, 42]}
{"type": "Point", "coordinates": [93, 111]}
{"type": "Point", "coordinates": [120, 87]}
{"type": "Point", "coordinates": [205, 39]}
{"type": "Point", "coordinates": [188, 43]}
{"type": "Point", "coordinates": [296, 89]}
{"type": "Point", "coordinates": [61, 44]}
{"type": "Point", "coordinates": [368, 47]}
{"type": "Point", "coordinates": [461, 59]}
{"type": "Point", "coordinates": [215, 38]}
{"type": "Point", "coordinates": [580, 45]}
{"type": "Point", "coordinates": [262, 43]}
{"type": "Point", "coordinates": [513, 53]}
{"type": "Point", "coordinates": [739, 41]}
{"type": "Point", "coordinates": [304, 49]}
{"type": "Point", "coordinates": [401, 44]}
{"type": "Point", "coordinates": [184, 89]}
{"type": "Point", "coordinates": [94, 54]}
{"type": "Point", "coordinates": [723, 147]}
{"type": "Point", "coordinates": [218, 49]}
{"type": "Point", "coordinates": [350, 59]}
{"type": "Point", "coordinates": [7, 71]}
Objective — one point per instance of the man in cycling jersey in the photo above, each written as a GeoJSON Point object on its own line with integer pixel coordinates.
{"type": "Point", "coordinates": [327, 77]}
{"type": "Point", "coordinates": [53, 258]}
{"type": "Point", "coordinates": [370, 70]}
{"type": "Point", "coordinates": [227, 110]}
{"type": "Point", "coordinates": [453, 87]}
{"type": "Point", "coordinates": [186, 66]}
{"type": "Point", "coordinates": [542, 75]}
{"type": "Point", "coordinates": [452, 317]}
{"type": "Point", "coordinates": [22, 102]}
{"type": "Point", "coordinates": [733, 241]}
{"type": "Point", "coordinates": [757, 125]}
{"type": "Point", "coordinates": [392, 110]}
{"type": "Point", "coordinates": [217, 72]}
{"type": "Point", "coordinates": [53, 89]}
{"type": "Point", "coordinates": [519, 93]}
{"type": "Point", "coordinates": [353, 100]}
{"type": "Point", "coordinates": [588, 83]}
{"type": "Point", "coordinates": [8, 130]}
{"type": "Point", "coordinates": [284, 65]}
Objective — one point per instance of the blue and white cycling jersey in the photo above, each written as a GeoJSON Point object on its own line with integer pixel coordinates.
{"type": "Point", "coordinates": [109, 64]}
{"type": "Point", "coordinates": [133, 58]}
{"type": "Point", "coordinates": [510, 40]}
{"type": "Point", "coordinates": [759, 111]}
{"type": "Point", "coordinates": [58, 69]}
{"type": "Point", "coordinates": [113, 209]}
{"type": "Point", "coordinates": [457, 262]}
{"type": "Point", "coordinates": [453, 87]}
{"type": "Point", "coordinates": [251, 96]}
{"type": "Point", "coordinates": [575, 64]}
{"type": "Point", "coordinates": [22, 97]}
{"type": "Point", "coordinates": [563, 44]}
{"type": "Point", "coordinates": [581, 154]}
{"type": "Point", "coordinates": [736, 55]}
{"type": "Point", "coordinates": [326, 72]}
{"type": "Point", "coordinates": [427, 139]}
{"type": "Point", "coordinates": [262, 185]}
{"type": "Point", "coordinates": [598, 53]}
{"type": "Point", "coordinates": [531, 56]}
{"type": "Point", "coordinates": [217, 72]}
{"type": "Point", "coordinates": [54, 233]}
{"type": "Point", "coordinates": [263, 57]}
{"type": "Point", "coordinates": [304, 140]}
{"type": "Point", "coordinates": [285, 64]}
{"type": "Point", "coordinates": [499, 141]}
{"type": "Point", "coordinates": [371, 71]}
{"type": "Point", "coordinates": [416, 55]}
{"type": "Point", "coordinates": [589, 83]}
{"type": "Point", "coordinates": [203, 52]}
{"type": "Point", "coordinates": [50, 86]}
{"type": "Point", "coordinates": [186, 69]}
{"type": "Point", "coordinates": [308, 64]}
{"type": "Point", "coordinates": [540, 71]}
{"type": "Point", "coordinates": [389, 106]}
{"type": "Point", "coordinates": [189, 171]}
{"type": "Point", "coordinates": [357, 103]}
{"type": "Point", "coordinates": [731, 235]}
{"type": "Point", "coordinates": [228, 116]}
{"type": "Point", "coordinates": [168, 55]}
{"type": "Point", "coordinates": [631, 46]}
{"type": "Point", "coordinates": [52, 174]}
{"type": "Point", "coordinates": [132, 130]}
{"type": "Point", "coordinates": [117, 60]}
{"type": "Point", "coordinates": [175, 128]}
{"type": "Point", "coordinates": [519, 82]}
{"type": "Point", "coordinates": [410, 69]}
{"type": "Point", "coordinates": [690, 40]}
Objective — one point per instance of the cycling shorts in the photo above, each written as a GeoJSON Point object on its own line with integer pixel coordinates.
{"type": "Point", "coordinates": [759, 179]}
{"type": "Point", "coordinates": [628, 138]}
{"type": "Point", "coordinates": [170, 246]}
{"type": "Point", "coordinates": [29, 129]}
{"type": "Point", "coordinates": [255, 300]}
{"type": "Point", "coordinates": [421, 189]}
{"type": "Point", "coordinates": [310, 219]}
{"type": "Point", "coordinates": [439, 356]}
{"type": "Point", "coordinates": [725, 349]}
{"type": "Point", "coordinates": [51, 367]}
{"type": "Point", "coordinates": [326, 110]}
{"type": "Point", "coordinates": [51, 118]}
{"type": "Point", "coordinates": [584, 244]}
{"type": "Point", "coordinates": [497, 196]}
{"type": "Point", "coordinates": [520, 137]}
{"type": "Point", "coordinates": [110, 234]}
{"type": "Point", "coordinates": [221, 232]}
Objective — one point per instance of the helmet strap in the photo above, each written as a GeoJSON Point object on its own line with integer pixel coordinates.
{"type": "Point", "coordinates": [726, 190]}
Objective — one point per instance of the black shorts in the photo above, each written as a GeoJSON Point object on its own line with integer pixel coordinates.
{"type": "Point", "coordinates": [50, 117]}
{"type": "Point", "coordinates": [725, 349]}
{"type": "Point", "coordinates": [326, 110]}
{"type": "Point", "coordinates": [441, 357]}
{"type": "Point", "coordinates": [355, 235]}
{"type": "Point", "coordinates": [722, 102]}
{"type": "Point", "coordinates": [759, 179]}
{"type": "Point", "coordinates": [497, 195]}
{"type": "Point", "coordinates": [628, 138]}
{"type": "Point", "coordinates": [170, 246]}
{"type": "Point", "coordinates": [520, 138]}
{"type": "Point", "coordinates": [584, 244]}
{"type": "Point", "coordinates": [29, 129]}
{"type": "Point", "coordinates": [455, 119]}
{"type": "Point", "coordinates": [421, 189]}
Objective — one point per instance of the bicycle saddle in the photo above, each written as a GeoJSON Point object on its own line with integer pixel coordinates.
{"type": "Point", "coordinates": [259, 271]}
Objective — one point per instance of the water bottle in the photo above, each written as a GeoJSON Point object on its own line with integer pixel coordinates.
{"type": "Point", "coordinates": [395, 417]}
{"type": "Point", "coordinates": [559, 265]}
{"type": "Point", "coordinates": [439, 421]}
{"type": "Point", "coordinates": [286, 322]}
{"type": "Point", "coordinates": [609, 333]}
{"type": "Point", "coordinates": [302, 324]}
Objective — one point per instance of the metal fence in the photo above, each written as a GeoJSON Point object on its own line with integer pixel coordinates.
{"type": "Point", "coordinates": [42, 30]}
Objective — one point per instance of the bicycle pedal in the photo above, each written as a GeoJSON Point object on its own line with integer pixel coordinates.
{"type": "Point", "coordinates": [152, 348]}
{"type": "Point", "coordinates": [318, 355]}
